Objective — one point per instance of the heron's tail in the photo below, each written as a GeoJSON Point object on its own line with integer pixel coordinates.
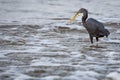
{"type": "Point", "coordinates": [106, 32]}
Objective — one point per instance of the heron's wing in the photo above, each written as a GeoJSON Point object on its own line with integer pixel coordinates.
{"type": "Point", "coordinates": [94, 25]}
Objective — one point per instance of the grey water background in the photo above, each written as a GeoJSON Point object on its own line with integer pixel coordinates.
{"type": "Point", "coordinates": [37, 42]}
{"type": "Point", "coordinates": [41, 11]}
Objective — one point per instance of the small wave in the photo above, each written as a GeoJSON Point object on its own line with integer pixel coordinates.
{"type": "Point", "coordinates": [112, 24]}
{"type": "Point", "coordinates": [68, 26]}
{"type": "Point", "coordinates": [60, 18]}
{"type": "Point", "coordinates": [113, 76]}
{"type": "Point", "coordinates": [112, 41]}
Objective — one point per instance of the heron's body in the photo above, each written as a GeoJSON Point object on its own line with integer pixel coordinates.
{"type": "Point", "coordinates": [94, 27]}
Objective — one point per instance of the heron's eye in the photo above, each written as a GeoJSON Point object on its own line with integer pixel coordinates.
{"type": "Point", "coordinates": [79, 14]}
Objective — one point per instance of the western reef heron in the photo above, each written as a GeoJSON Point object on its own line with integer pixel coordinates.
{"type": "Point", "coordinates": [94, 27]}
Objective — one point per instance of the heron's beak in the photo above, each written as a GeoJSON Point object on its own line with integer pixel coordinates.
{"type": "Point", "coordinates": [74, 17]}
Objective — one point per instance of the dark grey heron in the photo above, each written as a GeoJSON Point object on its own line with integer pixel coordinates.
{"type": "Point", "coordinates": [94, 27]}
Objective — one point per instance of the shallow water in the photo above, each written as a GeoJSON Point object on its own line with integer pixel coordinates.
{"type": "Point", "coordinates": [37, 42]}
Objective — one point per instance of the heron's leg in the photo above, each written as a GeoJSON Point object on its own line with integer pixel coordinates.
{"type": "Point", "coordinates": [91, 39]}
{"type": "Point", "coordinates": [97, 39]}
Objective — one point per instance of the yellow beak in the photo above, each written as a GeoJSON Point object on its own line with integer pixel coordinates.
{"type": "Point", "coordinates": [74, 17]}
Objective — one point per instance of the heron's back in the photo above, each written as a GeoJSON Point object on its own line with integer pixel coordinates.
{"type": "Point", "coordinates": [93, 26]}
{"type": "Point", "coordinates": [94, 23]}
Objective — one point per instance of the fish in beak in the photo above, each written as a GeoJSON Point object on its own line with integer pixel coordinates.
{"type": "Point", "coordinates": [74, 17]}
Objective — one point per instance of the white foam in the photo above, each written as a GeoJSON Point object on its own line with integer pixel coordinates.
{"type": "Point", "coordinates": [111, 40]}
{"type": "Point", "coordinates": [114, 76]}
{"type": "Point", "coordinates": [89, 73]}
{"type": "Point", "coordinates": [110, 54]}
{"type": "Point", "coordinates": [46, 62]}
{"type": "Point", "coordinates": [49, 41]}
{"type": "Point", "coordinates": [84, 75]}
{"type": "Point", "coordinates": [22, 77]}
{"type": "Point", "coordinates": [50, 77]}
{"type": "Point", "coordinates": [118, 31]}
{"type": "Point", "coordinates": [2, 54]}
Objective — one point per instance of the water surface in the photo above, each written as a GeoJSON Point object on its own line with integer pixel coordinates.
{"type": "Point", "coordinates": [37, 42]}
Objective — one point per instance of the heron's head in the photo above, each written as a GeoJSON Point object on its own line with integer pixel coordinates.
{"type": "Point", "coordinates": [78, 13]}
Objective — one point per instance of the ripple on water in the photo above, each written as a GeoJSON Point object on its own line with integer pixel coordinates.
{"type": "Point", "coordinates": [58, 50]}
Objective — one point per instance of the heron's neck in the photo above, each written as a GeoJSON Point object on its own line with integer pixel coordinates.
{"type": "Point", "coordinates": [85, 15]}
